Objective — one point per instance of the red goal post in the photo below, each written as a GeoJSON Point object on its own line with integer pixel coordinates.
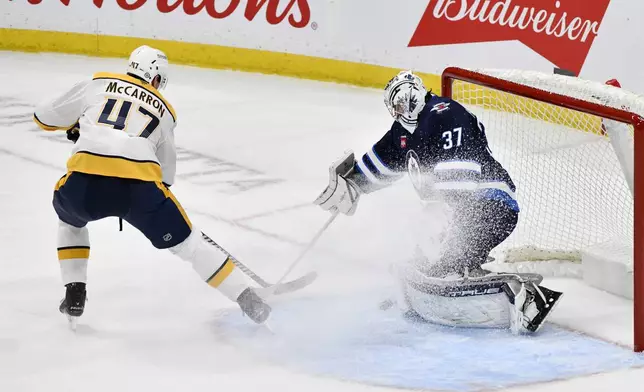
{"type": "Point", "coordinates": [452, 74]}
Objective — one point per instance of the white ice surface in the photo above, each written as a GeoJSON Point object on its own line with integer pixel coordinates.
{"type": "Point", "coordinates": [150, 323]}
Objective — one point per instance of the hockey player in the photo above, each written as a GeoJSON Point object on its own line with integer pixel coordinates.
{"type": "Point", "coordinates": [444, 149]}
{"type": "Point", "coordinates": [122, 165]}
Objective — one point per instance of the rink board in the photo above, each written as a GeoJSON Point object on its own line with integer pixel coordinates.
{"type": "Point", "coordinates": [351, 339]}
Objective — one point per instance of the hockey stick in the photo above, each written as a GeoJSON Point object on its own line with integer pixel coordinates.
{"type": "Point", "coordinates": [275, 289]}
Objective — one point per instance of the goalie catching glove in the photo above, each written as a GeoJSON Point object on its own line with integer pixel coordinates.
{"type": "Point", "coordinates": [342, 194]}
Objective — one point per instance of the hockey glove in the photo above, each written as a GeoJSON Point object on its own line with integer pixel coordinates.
{"type": "Point", "coordinates": [73, 133]}
{"type": "Point", "coordinates": [341, 194]}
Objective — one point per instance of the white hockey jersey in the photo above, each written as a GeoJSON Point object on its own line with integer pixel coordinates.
{"type": "Point", "coordinates": [126, 128]}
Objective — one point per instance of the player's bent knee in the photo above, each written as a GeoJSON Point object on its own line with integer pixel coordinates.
{"type": "Point", "coordinates": [70, 236]}
{"type": "Point", "coordinates": [213, 265]}
{"type": "Point", "coordinates": [169, 227]}
{"type": "Point", "coordinates": [204, 258]}
{"type": "Point", "coordinates": [187, 248]}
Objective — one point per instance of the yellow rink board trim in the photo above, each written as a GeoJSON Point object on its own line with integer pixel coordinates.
{"type": "Point", "coordinates": [210, 56]}
{"type": "Point", "coordinates": [222, 273]}
{"type": "Point", "coordinates": [261, 61]}
{"type": "Point", "coordinates": [73, 252]}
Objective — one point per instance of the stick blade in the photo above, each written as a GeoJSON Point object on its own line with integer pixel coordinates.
{"type": "Point", "coordinates": [287, 287]}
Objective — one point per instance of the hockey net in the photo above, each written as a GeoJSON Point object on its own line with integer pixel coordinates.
{"type": "Point", "coordinates": [568, 144]}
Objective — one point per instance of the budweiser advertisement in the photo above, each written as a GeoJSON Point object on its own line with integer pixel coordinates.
{"type": "Point", "coordinates": [561, 31]}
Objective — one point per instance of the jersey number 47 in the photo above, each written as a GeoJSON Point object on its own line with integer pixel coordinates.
{"type": "Point", "coordinates": [124, 112]}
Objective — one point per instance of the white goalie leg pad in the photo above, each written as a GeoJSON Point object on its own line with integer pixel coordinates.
{"type": "Point", "coordinates": [514, 301]}
{"type": "Point", "coordinates": [73, 252]}
{"type": "Point", "coordinates": [456, 301]}
{"type": "Point", "coordinates": [212, 265]}
{"type": "Point", "coordinates": [471, 311]}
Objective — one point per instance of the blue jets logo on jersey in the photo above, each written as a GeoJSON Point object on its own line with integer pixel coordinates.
{"type": "Point", "coordinates": [440, 107]}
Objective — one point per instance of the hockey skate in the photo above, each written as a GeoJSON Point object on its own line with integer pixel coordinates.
{"type": "Point", "coordinates": [73, 305]}
{"type": "Point", "coordinates": [253, 306]}
{"type": "Point", "coordinates": [532, 306]}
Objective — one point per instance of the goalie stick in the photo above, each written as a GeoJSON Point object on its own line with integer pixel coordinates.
{"type": "Point", "coordinates": [273, 289]}
{"type": "Point", "coordinates": [267, 288]}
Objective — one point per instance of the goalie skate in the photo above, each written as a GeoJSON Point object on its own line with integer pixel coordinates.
{"type": "Point", "coordinates": [532, 305]}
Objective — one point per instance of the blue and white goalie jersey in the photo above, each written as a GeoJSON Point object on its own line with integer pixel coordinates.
{"type": "Point", "coordinates": [450, 145]}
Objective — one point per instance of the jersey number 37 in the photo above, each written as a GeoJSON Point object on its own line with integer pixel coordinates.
{"type": "Point", "coordinates": [448, 137]}
{"type": "Point", "coordinates": [121, 119]}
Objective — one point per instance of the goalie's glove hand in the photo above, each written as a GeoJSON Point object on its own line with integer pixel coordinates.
{"type": "Point", "coordinates": [73, 133]}
{"type": "Point", "coordinates": [341, 194]}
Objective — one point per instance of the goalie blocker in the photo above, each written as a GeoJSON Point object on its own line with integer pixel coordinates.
{"type": "Point", "coordinates": [513, 301]}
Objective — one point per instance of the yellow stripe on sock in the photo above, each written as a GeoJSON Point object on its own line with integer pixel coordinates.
{"type": "Point", "coordinates": [222, 273]}
{"type": "Point", "coordinates": [73, 253]}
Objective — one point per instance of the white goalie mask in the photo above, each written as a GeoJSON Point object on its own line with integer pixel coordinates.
{"type": "Point", "coordinates": [147, 63]}
{"type": "Point", "coordinates": [405, 99]}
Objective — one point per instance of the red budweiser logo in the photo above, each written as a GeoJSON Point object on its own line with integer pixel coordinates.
{"type": "Point", "coordinates": [562, 31]}
{"type": "Point", "coordinates": [298, 12]}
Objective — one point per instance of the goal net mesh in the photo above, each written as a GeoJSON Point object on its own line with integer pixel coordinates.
{"type": "Point", "coordinates": [570, 186]}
